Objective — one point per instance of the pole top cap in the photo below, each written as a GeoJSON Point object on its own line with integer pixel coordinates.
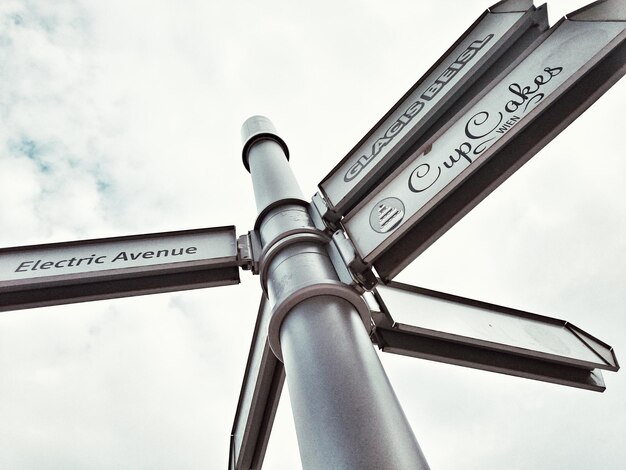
{"type": "Point", "coordinates": [258, 128]}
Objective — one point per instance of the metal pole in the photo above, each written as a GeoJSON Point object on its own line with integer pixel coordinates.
{"type": "Point", "coordinates": [345, 411]}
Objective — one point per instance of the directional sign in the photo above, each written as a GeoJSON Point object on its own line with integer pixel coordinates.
{"type": "Point", "coordinates": [260, 393]}
{"type": "Point", "coordinates": [578, 60]}
{"type": "Point", "coordinates": [432, 325]}
{"type": "Point", "coordinates": [59, 273]}
{"type": "Point", "coordinates": [486, 48]}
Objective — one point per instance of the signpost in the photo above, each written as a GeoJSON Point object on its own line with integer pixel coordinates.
{"type": "Point", "coordinates": [433, 325]}
{"type": "Point", "coordinates": [527, 106]}
{"type": "Point", "coordinates": [60, 273]}
{"type": "Point", "coordinates": [495, 39]}
{"type": "Point", "coordinates": [455, 136]}
{"type": "Point", "coordinates": [319, 329]}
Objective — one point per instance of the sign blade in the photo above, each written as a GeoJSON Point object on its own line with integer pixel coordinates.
{"type": "Point", "coordinates": [78, 271]}
{"type": "Point", "coordinates": [433, 325]}
{"type": "Point", "coordinates": [576, 62]}
{"type": "Point", "coordinates": [258, 401]}
{"type": "Point", "coordinates": [486, 48]}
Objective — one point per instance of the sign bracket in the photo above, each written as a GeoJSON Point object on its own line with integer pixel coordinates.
{"type": "Point", "coordinates": [249, 251]}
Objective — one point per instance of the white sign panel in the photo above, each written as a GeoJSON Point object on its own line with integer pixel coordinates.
{"type": "Point", "coordinates": [28, 263]}
{"type": "Point", "coordinates": [113, 267]}
{"type": "Point", "coordinates": [434, 171]}
{"type": "Point", "coordinates": [442, 327]}
{"type": "Point", "coordinates": [488, 324]}
{"type": "Point", "coordinates": [407, 119]}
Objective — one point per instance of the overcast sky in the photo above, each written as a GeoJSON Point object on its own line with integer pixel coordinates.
{"type": "Point", "coordinates": [123, 117]}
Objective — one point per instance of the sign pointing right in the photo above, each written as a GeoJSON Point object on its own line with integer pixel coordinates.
{"type": "Point", "coordinates": [427, 324]}
{"type": "Point", "coordinates": [486, 48]}
{"type": "Point", "coordinates": [576, 61]}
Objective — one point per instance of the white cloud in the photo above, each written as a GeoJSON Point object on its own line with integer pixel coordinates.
{"type": "Point", "coordinates": [123, 117]}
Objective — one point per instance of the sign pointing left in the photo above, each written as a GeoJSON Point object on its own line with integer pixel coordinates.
{"type": "Point", "coordinates": [59, 273]}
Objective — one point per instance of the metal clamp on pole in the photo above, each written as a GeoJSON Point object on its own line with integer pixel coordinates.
{"type": "Point", "coordinates": [311, 287]}
{"type": "Point", "coordinates": [249, 251]}
{"type": "Point", "coordinates": [350, 268]}
{"type": "Point", "coordinates": [300, 294]}
{"type": "Point", "coordinates": [294, 266]}
{"type": "Point", "coordinates": [348, 265]}
{"type": "Point", "coordinates": [319, 210]}
{"type": "Point", "coordinates": [290, 237]}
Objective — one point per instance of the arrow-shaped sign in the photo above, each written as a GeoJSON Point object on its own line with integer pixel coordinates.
{"type": "Point", "coordinates": [60, 273]}
{"type": "Point", "coordinates": [495, 39]}
{"type": "Point", "coordinates": [422, 323]}
{"type": "Point", "coordinates": [577, 61]}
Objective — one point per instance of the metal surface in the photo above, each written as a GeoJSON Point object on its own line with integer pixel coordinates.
{"type": "Point", "coordinates": [346, 414]}
{"type": "Point", "coordinates": [343, 257]}
{"type": "Point", "coordinates": [442, 327]}
{"type": "Point", "coordinates": [249, 251]}
{"type": "Point", "coordinates": [291, 237]}
{"type": "Point", "coordinates": [525, 108]}
{"type": "Point", "coordinates": [60, 273]}
{"type": "Point", "coordinates": [260, 393]}
{"type": "Point", "coordinates": [278, 182]}
{"type": "Point", "coordinates": [486, 48]}
{"type": "Point", "coordinates": [336, 383]}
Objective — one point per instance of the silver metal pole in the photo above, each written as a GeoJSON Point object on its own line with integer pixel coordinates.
{"type": "Point", "coordinates": [345, 411]}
